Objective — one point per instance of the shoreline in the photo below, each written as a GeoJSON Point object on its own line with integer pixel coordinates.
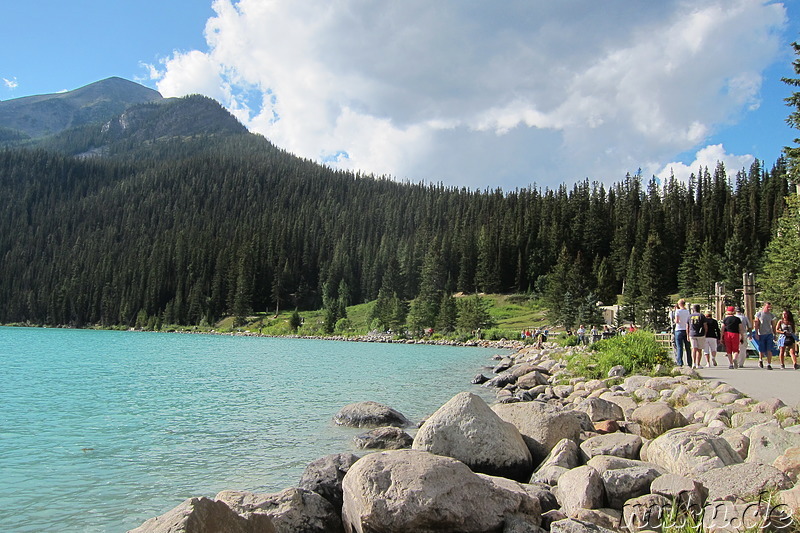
{"type": "Point", "coordinates": [502, 344]}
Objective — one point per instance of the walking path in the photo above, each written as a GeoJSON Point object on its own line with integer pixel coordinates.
{"type": "Point", "coordinates": [759, 383]}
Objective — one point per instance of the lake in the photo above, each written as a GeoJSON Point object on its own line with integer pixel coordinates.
{"type": "Point", "coordinates": [101, 430]}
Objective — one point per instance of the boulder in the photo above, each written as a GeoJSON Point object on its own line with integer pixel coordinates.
{"type": "Point", "coordinates": [369, 414]}
{"type": "Point", "coordinates": [688, 453]}
{"type": "Point", "coordinates": [747, 419]}
{"type": "Point", "coordinates": [531, 380]}
{"type": "Point", "coordinates": [605, 517]}
{"type": "Point", "coordinates": [606, 426]}
{"type": "Point", "coordinates": [626, 403]}
{"type": "Point", "coordinates": [324, 476]}
{"type": "Point", "coordinates": [769, 406]}
{"type": "Point", "coordinates": [768, 441]}
{"type": "Point", "coordinates": [203, 515]}
{"type": "Point", "coordinates": [599, 409]}
{"type": "Point", "coordinates": [691, 493]}
{"type": "Point", "coordinates": [646, 513]}
{"type": "Point", "coordinates": [549, 474]}
{"type": "Point", "coordinates": [292, 510]}
{"type": "Point", "coordinates": [789, 463]}
{"type": "Point", "coordinates": [572, 525]}
{"type": "Point", "coordinates": [465, 428]}
{"type": "Point", "coordinates": [736, 439]}
{"type": "Point", "coordinates": [656, 418]}
{"type": "Point", "coordinates": [617, 444]}
{"type": "Point", "coordinates": [479, 379]}
{"type": "Point", "coordinates": [542, 426]}
{"type": "Point", "coordinates": [601, 463]}
{"type": "Point", "coordinates": [385, 438]}
{"type": "Point", "coordinates": [409, 490]}
{"type": "Point", "coordinates": [623, 484]}
{"type": "Point", "coordinates": [741, 482]}
{"type": "Point", "coordinates": [580, 488]}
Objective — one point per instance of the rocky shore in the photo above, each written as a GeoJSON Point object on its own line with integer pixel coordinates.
{"type": "Point", "coordinates": [625, 453]}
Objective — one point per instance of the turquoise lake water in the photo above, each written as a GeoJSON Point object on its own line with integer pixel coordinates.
{"type": "Point", "coordinates": [101, 430]}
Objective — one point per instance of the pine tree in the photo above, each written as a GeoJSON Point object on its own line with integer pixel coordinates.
{"type": "Point", "coordinates": [653, 299]}
{"type": "Point", "coordinates": [780, 279]}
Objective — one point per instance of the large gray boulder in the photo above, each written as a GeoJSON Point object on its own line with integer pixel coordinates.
{"type": "Point", "coordinates": [738, 441]}
{"type": "Point", "coordinates": [646, 513]}
{"type": "Point", "coordinates": [580, 488]}
{"type": "Point", "coordinates": [564, 456]}
{"type": "Point", "coordinates": [623, 484]}
{"type": "Point", "coordinates": [616, 444]}
{"type": "Point", "coordinates": [743, 481]}
{"type": "Point", "coordinates": [542, 426]}
{"type": "Point", "coordinates": [599, 409]}
{"type": "Point", "coordinates": [385, 438]}
{"type": "Point", "coordinates": [688, 452]}
{"type": "Point", "coordinates": [465, 428]}
{"type": "Point", "coordinates": [409, 490]}
{"type": "Point", "coordinates": [369, 414]}
{"type": "Point", "coordinates": [292, 510]}
{"type": "Point", "coordinates": [324, 476]}
{"type": "Point", "coordinates": [768, 441]}
{"type": "Point", "coordinates": [688, 491]}
{"type": "Point", "coordinates": [656, 418]}
{"type": "Point", "coordinates": [203, 515]}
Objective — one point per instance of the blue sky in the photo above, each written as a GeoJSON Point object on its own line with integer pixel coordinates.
{"type": "Point", "coordinates": [475, 94]}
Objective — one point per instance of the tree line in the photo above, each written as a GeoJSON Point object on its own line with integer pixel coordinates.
{"type": "Point", "coordinates": [189, 230]}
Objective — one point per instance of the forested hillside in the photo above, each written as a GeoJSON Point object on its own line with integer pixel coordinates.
{"type": "Point", "coordinates": [190, 228]}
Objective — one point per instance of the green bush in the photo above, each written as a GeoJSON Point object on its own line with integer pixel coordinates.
{"type": "Point", "coordinates": [638, 352]}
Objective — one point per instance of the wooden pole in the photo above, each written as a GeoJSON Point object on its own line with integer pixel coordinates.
{"type": "Point", "coordinates": [749, 288]}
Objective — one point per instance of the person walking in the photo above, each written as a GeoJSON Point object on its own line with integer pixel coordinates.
{"type": "Point", "coordinates": [764, 334]}
{"type": "Point", "coordinates": [681, 326]}
{"type": "Point", "coordinates": [713, 335]}
{"type": "Point", "coordinates": [786, 339]}
{"type": "Point", "coordinates": [697, 334]}
{"type": "Point", "coordinates": [743, 346]}
{"type": "Point", "coordinates": [733, 334]}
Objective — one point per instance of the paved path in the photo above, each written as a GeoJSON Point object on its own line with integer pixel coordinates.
{"type": "Point", "coordinates": [759, 383]}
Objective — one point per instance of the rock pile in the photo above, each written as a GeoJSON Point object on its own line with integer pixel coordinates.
{"type": "Point", "coordinates": [627, 453]}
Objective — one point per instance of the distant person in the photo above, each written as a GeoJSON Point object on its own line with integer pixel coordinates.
{"type": "Point", "coordinates": [713, 335]}
{"type": "Point", "coordinates": [764, 334]}
{"type": "Point", "coordinates": [681, 325]}
{"type": "Point", "coordinates": [786, 338]}
{"type": "Point", "coordinates": [697, 335]}
{"type": "Point", "coordinates": [733, 335]}
{"type": "Point", "coordinates": [595, 334]}
{"type": "Point", "coordinates": [581, 335]}
{"type": "Point", "coordinates": [743, 346]}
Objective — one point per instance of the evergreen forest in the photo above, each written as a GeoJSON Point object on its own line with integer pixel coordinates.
{"type": "Point", "coordinates": [189, 230]}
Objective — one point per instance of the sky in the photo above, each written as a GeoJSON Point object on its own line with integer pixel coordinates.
{"type": "Point", "coordinates": [469, 93]}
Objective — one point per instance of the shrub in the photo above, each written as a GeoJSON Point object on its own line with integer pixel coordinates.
{"type": "Point", "coordinates": [638, 352]}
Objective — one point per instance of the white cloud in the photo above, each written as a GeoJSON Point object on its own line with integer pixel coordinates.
{"type": "Point", "coordinates": [515, 91]}
{"type": "Point", "coordinates": [707, 157]}
{"type": "Point", "coordinates": [11, 83]}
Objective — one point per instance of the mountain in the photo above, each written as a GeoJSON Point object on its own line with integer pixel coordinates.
{"type": "Point", "coordinates": [110, 117]}
{"type": "Point", "coordinates": [47, 114]}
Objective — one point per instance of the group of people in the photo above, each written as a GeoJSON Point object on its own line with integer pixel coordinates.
{"type": "Point", "coordinates": [698, 334]}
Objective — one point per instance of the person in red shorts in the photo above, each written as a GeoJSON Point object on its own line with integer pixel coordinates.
{"type": "Point", "coordinates": [733, 335]}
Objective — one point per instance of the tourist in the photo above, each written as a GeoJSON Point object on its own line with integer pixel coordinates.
{"type": "Point", "coordinates": [733, 335]}
{"type": "Point", "coordinates": [595, 334]}
{"type": "Point", "coordinates": [785, 328]}
{"type": "Point", "coordinates": [581, 335]}
{"type": "Point", "coordinates": [697, 334]}
{"type": "Point", "coordinates": [743, 346]}
{"type": "Point", "coordinates": [681, 325]}
{"type": "Point", "coordinates": [713, 335]}
{"type": "Point", "coordinates": [764, 334]}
